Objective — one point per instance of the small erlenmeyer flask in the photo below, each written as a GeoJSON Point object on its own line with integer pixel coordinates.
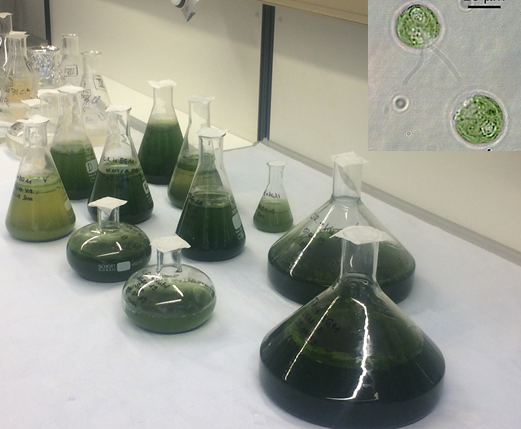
{"type": "Point", "coordinates": [163, 139]}
{"type": "Point", "coordinates": [351, 358]}
{"type": "Point", "coordinates": [273, 213]}
{"type": "Point", "coordinates": [71, 148]}
{"type": "Point", "coordinates": [108, 250]}
{"type": "Point", "coordinates": [19, 78]}
{"type": "Point", "coordinates": [119, 172]}
{"type": "Point", "coordinates": [95, 98]}
{"type": "Point", "coordinates": [305, 261]}
{"type": "Point", "coordinates": [198, 117]}
{"type": "Point", "coordinates": [71, 60]}
{"type": "Point", "coordinates": [169, 297]}
{"type": "Point", "coordinates": [210, 221]}
{"type": "Point", "coordinates": [40, 209]}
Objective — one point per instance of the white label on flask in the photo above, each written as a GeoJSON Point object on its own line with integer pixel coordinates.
{"type": "Point", "coordinates": [98, 82]}
{"type": "Point", "coordinates": [236, 221]}
{"type": "Point", "coordinates": [91, 166]}
{"type": "Point", "coordinates": [67, 204]}
{"type": "Point", "coordinates": [146, 188]}
{"type": "Point", "coordinates": [71, 71]}
{"type": "Point", "coordinates": [123, 266]}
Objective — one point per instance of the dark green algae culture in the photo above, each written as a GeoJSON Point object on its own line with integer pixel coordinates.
{"type": "Point", "coordinates": [319, 266]}
{"type": "Point", "coordinates": [108, 255]}
{"type": "Point", "coordinates": [314, 364]}
{"type": "Point", "coordinates": [77, 165]}
{"type": "Point", "coordinates": [159, 150]}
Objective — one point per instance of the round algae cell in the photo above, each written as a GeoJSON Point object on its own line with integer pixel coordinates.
{"type": "Point", "coordinates": [479, 119]}
{"type": "Point", "coordinates": [417, 26]}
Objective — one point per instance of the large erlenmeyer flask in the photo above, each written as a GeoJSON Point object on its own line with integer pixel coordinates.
{"type": "Point", "coordinates": [351, 358]}
{"type": "Point", "coordinates": [163, 139]}
{"type": "Point", "coordinates": [40, 209]}
{"type": "Point", "coordinates": [210, 221]}
{"type": "Point", "coordinates": [119, 172]}
{"type": "Point", "coordinates": [181, 180]}
{"type": "Point", "coordinates": [71, 148]}
{"type": "Point", "coordinates": [306, 260]}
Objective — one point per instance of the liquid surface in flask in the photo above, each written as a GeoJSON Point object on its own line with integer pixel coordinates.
{"type": "Point", "coordinates": [182, 180]}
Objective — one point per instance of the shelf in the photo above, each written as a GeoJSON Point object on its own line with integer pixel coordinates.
{"type": "Point", "coordinates": [348, 10]}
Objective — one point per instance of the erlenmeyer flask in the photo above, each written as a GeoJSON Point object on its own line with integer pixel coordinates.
{"type": "Point", "coordinates": [40, 209]}
{"type": "Point", "coordinates": [71, 59]}
{"type": "Point", "coordinates": [305, 261]}
{"type": "Point", "coordinates": [108, 250]}
{"type": "Point", "coordinates": [19, 78]}
{"type": "Point", "coordinates": [169, 297]}
{"type": "Point", "coordinates": [273, 213]}
{"type": "Point", "coordinates": [351, 358]}
{"type": "Point", "coordinates": [163, 139]}
{"type": "Point", "coordinates": [210, 221]}
{"type": "Point", "coordinates": [71, 148]}
{"type": "Point", "coordinates": [198, 117]}
{"type": "Point", "coordinates": [119, 172]}
{"type": "Point", "coordinates": [95, 98]}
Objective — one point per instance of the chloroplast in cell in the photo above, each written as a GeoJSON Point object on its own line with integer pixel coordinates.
{"type": "Point", "coordinates": [417, 26]}
{"type": "Point", "coordinates": [478, 119]}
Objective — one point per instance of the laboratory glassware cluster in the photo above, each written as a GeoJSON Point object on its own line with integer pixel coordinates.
{"type": "Point", "coordinates": [348, 358]}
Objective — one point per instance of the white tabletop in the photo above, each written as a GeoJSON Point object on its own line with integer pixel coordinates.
{"type": "Point", "coordinates": [70, 358]}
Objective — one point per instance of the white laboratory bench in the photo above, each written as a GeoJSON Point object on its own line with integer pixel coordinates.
{"type": "Point", "coordinates": [70, 358]}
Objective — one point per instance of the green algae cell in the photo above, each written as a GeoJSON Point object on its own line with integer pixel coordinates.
{"type": "Point", "coordinates": [479, 119]}
{"type": "Point", "coordinates": [417, 26]}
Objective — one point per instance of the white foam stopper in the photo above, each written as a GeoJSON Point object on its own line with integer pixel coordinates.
{"type": "Point", "coordinates": [363, 235]}
{"type": "Point", "coordinates": [107, 204]}
{"type": "Point", "coordinates": [31, 102]}
{"type": "Point", "coordinates": [211, 132]}
{"type": "Point", "coordinates": [117, 108]}
{"type": "Point", "coordinates": [70, 89]}
{"type": "Point", "coordinates": [162, 83]}
{"type": "Point", "coordinates": [36, 119]}
{"type": "Point", "coordinates": [169, 243]}
{"type": "Point", "coordinates": [348, 158]}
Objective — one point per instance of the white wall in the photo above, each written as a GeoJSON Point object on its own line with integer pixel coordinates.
{"type": "Point", "coordinates": [319, 95]}
{"type": "Point", "coordinates": [214, 54]}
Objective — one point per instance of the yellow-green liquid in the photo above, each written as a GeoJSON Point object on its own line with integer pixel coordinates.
{"type": "Point", "coordinates": [40, 209]}
{"type": "Point", "coordinates": [182, 180]}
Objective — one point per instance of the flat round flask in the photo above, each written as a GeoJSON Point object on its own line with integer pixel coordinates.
{"type": "Point", "coordinates": [108, 250]}
{"type": "Point", "coordinates": [169, 298]}
{"type": "Point", "coordinates": [351, 358]}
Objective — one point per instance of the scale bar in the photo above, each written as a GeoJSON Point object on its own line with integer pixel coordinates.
{"type": "Point", "coordinates": [483, 7]}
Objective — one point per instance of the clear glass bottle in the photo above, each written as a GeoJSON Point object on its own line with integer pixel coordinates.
{"type": "Point", "coordinates": [71, 61]}
{"type": "Point", "coordinates": [210, 221]}
{"type": "Point", "coordinates": [306, 260]}
{"type": "Point", "coordinates": [95, 98]}
{"type": "Point", "coordinates": [108, 250]}
{"type": "Point", "coordinates": [40, 209]}
{"type": "Point", "coordinates": [45, 62]}
{"type": "Point", "coordinates": [6, 26]}
{"type": "Point", "coordinates": [181, 180]}
{"type": "Point", "coordinates": [163, 139]}
{"type": "Point", "coordinates": [273, 213]}
{"type": "Point", "coordinates": [350, 358]}
{"type": "Point", "coordinates": [71, 148]}
{"type": "Point", "coordinates": [169, 297]}
{"type": "Point", "coordinates": [19, 77]}
{"type": "Point", "coordinates": [119, 172]}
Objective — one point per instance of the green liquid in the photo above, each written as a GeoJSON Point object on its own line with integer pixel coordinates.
{"type": "Point", "coordinates": [159, 150]}
{"type": "Point", "coordinates": [389, 398]}
{"type": "Point", "coordinates": [319, 267]}
{"type": "Point", "coordinates": [77, 166]}
{"type": "Point", "coordinates": [125, 183]}
{"type": "Point", "coordinates": [211, 225]}
{"type": "Point", "coordinates": [40, 209]}
{"type": "Point", "coordinates": [273, 215]}
{"type": "Point", "coordinates": [160, 308]}
{"type": "Point", "coordinates": [182, 180]}
{"type": "Point", "coordinates": [110, 255]}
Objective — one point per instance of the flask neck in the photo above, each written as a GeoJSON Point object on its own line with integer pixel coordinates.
{"type": "Point", "coordinates": [16, 54]}
{"type": "Point", "coordinates": [198, 113]}
{"type": "Point", "coordinates": [104, 219]}
{"type": "Point", "coordinates": [210, 151]}
{"type": "Point", "coordinates": [173, 266]}
{"type": "Point", "coordinates": [91, 61]}
{"type": "Point", "coordinates": [6, 24]}
{"type": "Point", "coordinates": [70, 44]}
{"type": "Point", "coordinates": [359, 259]}
{"type": "Point", "coordinates": [347, 181]}
{"type": "Point", "coordinates": [35, 135]}
{"type": "Point", "coordinates": [163, 101]}
{"type": "Point", "coordinates": [276, 174]}
{"type": "Point", "coordinates": [119, 124]}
